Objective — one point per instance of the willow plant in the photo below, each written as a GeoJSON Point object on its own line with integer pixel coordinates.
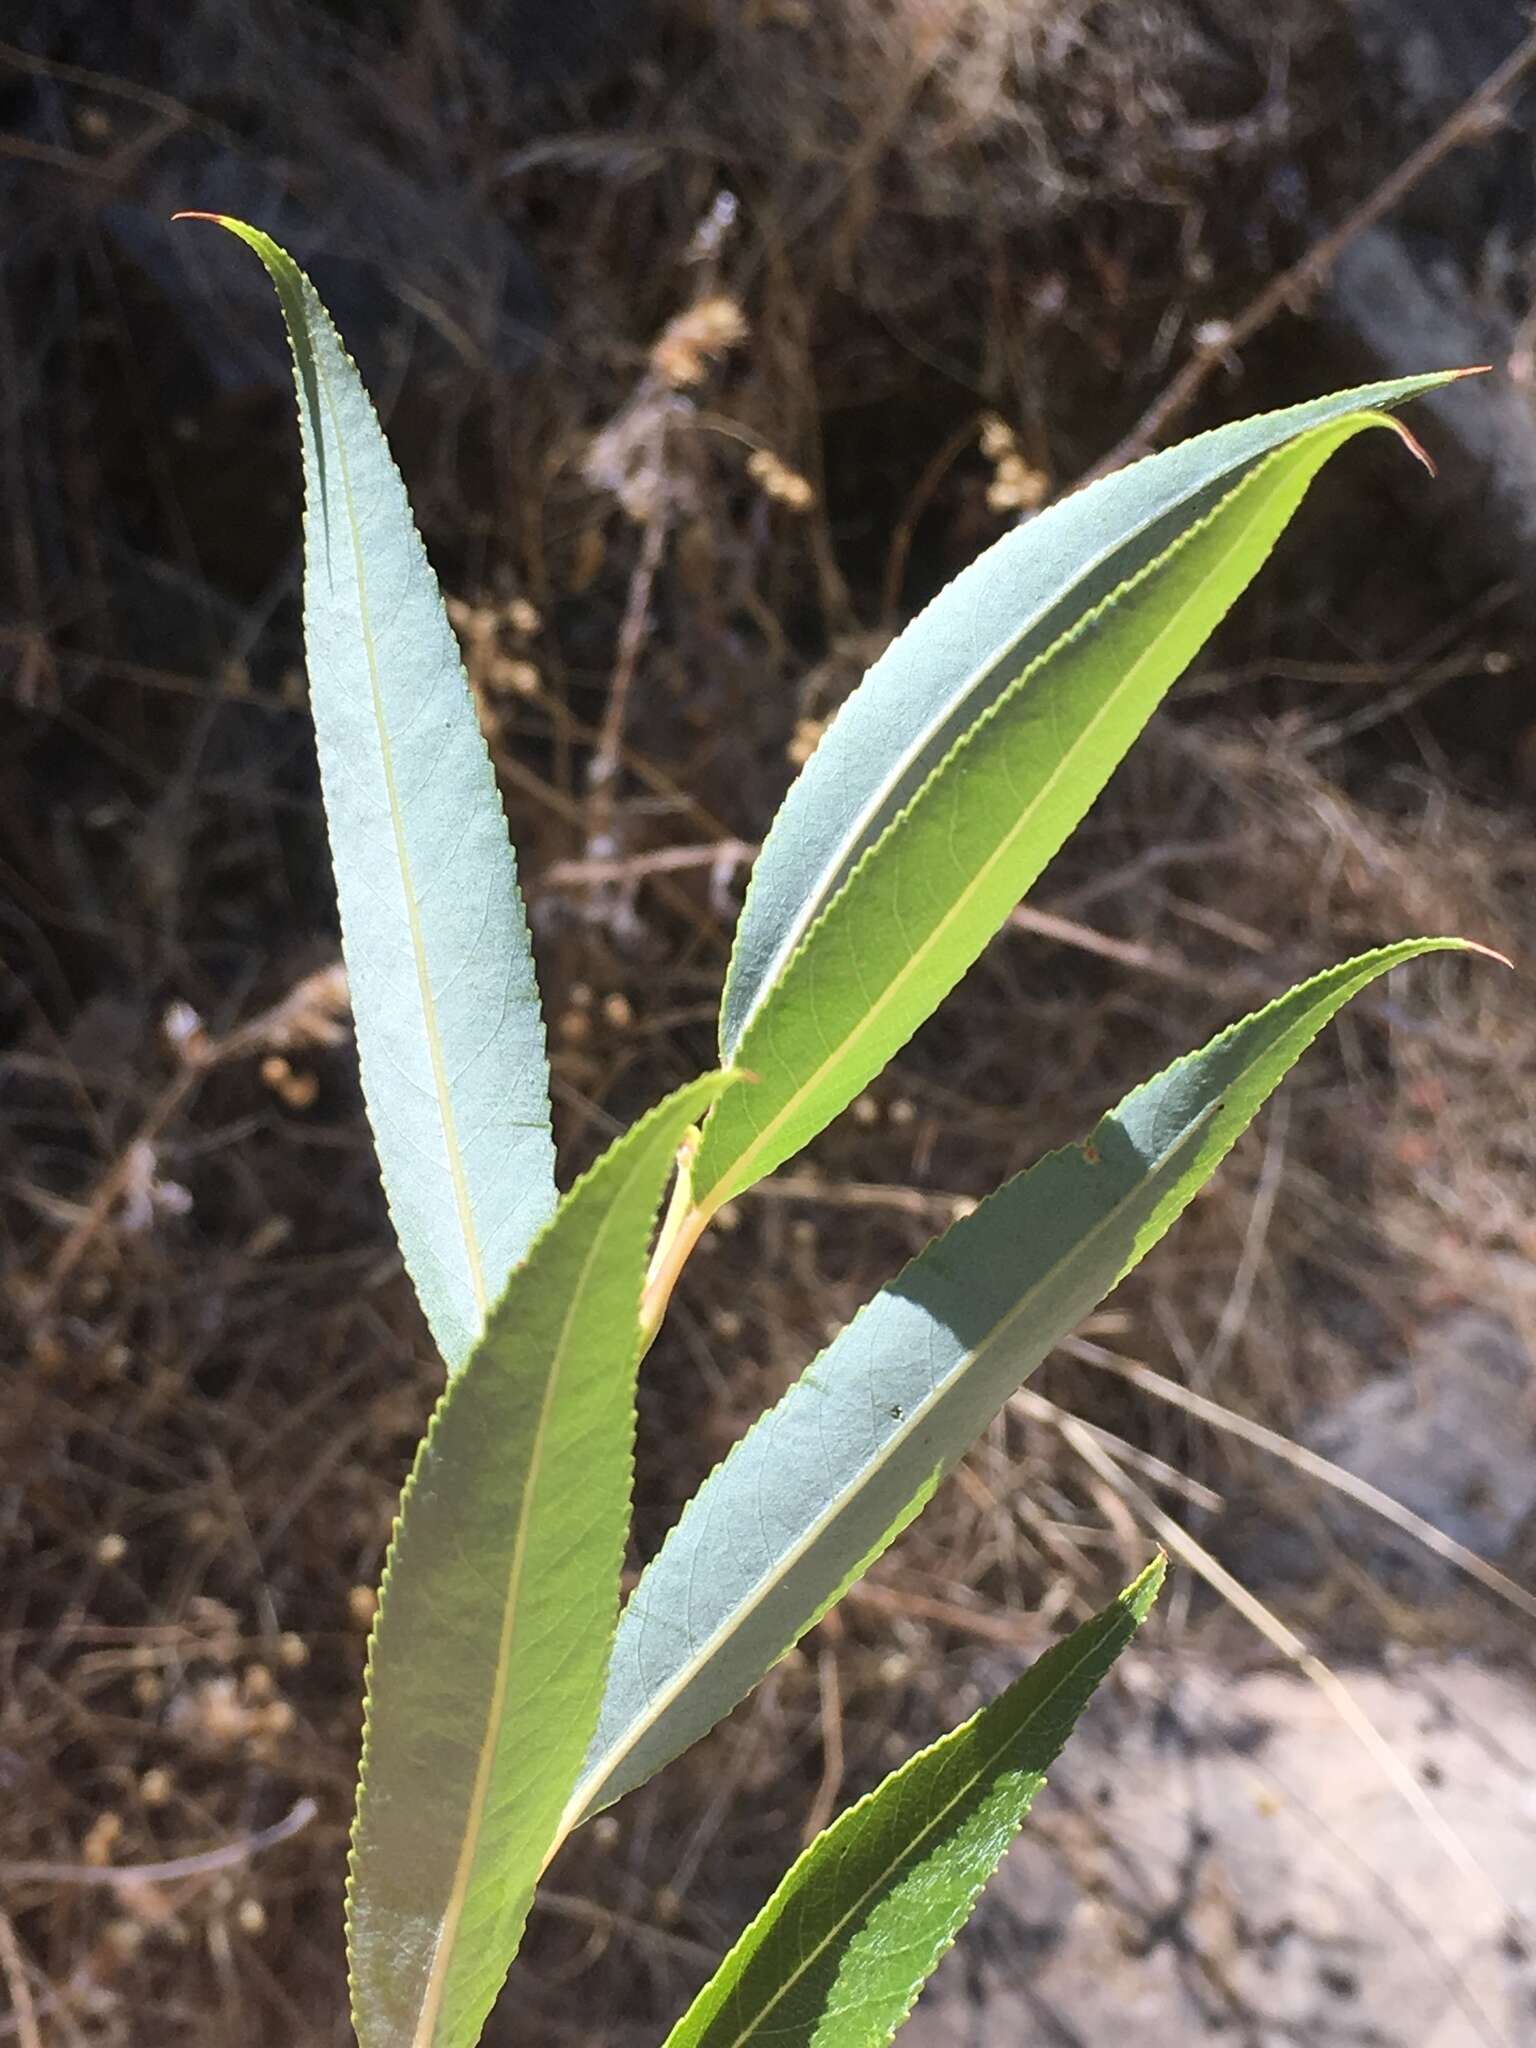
{"type": "Point", "coordinates": [508, 1697]}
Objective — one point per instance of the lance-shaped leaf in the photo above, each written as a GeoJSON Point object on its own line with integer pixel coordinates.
{"type": "Point", "coordinates": [497, 1610]}
{"type": "Point", "coordinates": [839, 1953]}
{"type": "Point", "coordinates": [923, 901]}
{"type": "Point", "coordinates": [963, 651]}
{"type": "Point", "coordinates": [449, 1034]}
{"type": "Point", "coordinates": [824, 1481]}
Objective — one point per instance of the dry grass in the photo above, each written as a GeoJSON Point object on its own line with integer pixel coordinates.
{"type": "Point", "coordinates": [962, 247]}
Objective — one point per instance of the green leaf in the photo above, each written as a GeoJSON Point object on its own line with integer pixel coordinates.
{"type": "Point", "coordinates": [959, 655]}
{"type": "Point", "coordinates": [839, 1953]}
{"type": "Point", "coordinates": [449, 1034]}
{"type": "Point", "coordinates": [497, 1609]}
{"type": "Point", "coordinates": [920, 902]}
{"type": "Point", "coordinates": [825, 1480]}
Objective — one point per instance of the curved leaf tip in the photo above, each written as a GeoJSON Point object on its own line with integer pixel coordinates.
{"type": "Point", "coordinates": [1023, 684]}
{"type": "Point", "coordinates": [450, 1034]}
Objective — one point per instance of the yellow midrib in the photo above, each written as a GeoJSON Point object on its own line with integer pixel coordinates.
{"type": "Point", "coordinates": [739, 1174]}
{"type": "Point", "coordinates": [436, 1986]}
{"type": "Point", "coordinates": [700, 1661]}
{"type": "Point", "coordinates": [733, 1180]}
{"type": "Point", "coordinates": [462, 1203]}
{"type": "Point", "coordinates": [935, 1820]}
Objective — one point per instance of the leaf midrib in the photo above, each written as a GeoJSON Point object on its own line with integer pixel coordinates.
{"type": "Point", "coordinates": [786, 1562]}
{"type": "Point", "coordinates": [462, 1203]}
{"type": "Point", "coordinates": [443, 1946]}
{"type": "Point", "coordinates": [738, 1175]}
{"type": "Point", "coordinates": [826, 885]}
{"type": "Point", "coordinates": [892, 1869]}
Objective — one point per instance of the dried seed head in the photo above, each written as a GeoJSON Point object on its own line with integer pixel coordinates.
{"type": "Point", "coordinates": [213, 1712]}
{"type": "Point", "coordinates": [124, 1938]}
{"type": "Point", "coordinates": [803, 741]}
{"type": "Point", "coordinates": [697, 337]}
{"type": "Point", "coordinates": [505, 677]}
{"type": "Point", "coordinates": [296, 1089]}
{"type": "Point", "coordinates": [313, 1012]}
{"type": "Point", "coordinates": [258, 1684]}
{"type": "Point", "coordinates": [778, 481]}
{"type": "Point", "coordinates": [474, 623]}
{"type": "Point", "coordinates": [668, 1906]}
{"type": "Point", "coordinates": [155, 1787]}
{"type": "Point", "coordinates": [996, 437]}
{"type": "Point", "coordinates": [1015, 486]}
{"type": "Point", "coordinates": [143, 1195]}
{"type": "Point", "coordinates": [182, 1029]}
{"type": "Point", "coordinates": [100, 1840]}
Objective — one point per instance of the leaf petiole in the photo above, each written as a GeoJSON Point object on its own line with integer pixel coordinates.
{"type": "Point", "coordinates": [682, 1227]}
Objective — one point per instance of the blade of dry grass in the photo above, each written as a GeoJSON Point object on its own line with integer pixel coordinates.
{"type": "Point", "coordinates": [1313, 1464]}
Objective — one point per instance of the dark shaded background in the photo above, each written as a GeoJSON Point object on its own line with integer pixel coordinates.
{"type": "Point", "coordinates": [694, 316]}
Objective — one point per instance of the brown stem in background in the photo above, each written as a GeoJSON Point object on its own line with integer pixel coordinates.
{"type": "Point", "coordinates": [203, 1864]}
{"type": "Point", "coordinates": [13, 1966]}
{"type": "Point", "coordinates": [309, 1014]}
{"type": "Point", "coordinates": [604, 765]}
{"type": "Point", "coordinates": [1471, 122]}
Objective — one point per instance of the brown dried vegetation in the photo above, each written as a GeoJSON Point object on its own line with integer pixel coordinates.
{"type": "Point", "coordinates": [832, 294]}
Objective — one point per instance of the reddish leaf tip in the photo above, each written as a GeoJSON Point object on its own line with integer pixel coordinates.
{"type": "Point", "coordinates": [1489, 953]}
{"type": "Point", "coordinates": [1412, 443]}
